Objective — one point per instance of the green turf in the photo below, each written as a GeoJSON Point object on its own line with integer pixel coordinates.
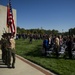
{"type": "Point", "coordinates": [32, 51]}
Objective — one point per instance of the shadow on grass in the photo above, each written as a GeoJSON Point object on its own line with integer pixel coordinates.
{"type": "Point", "coordinates": [35, 53]}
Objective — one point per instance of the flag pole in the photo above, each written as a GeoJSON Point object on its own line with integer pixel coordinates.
{"type": "Point", "coordinates": [6, 20]}
{"type": "Point", "coordinates": [7, 17]}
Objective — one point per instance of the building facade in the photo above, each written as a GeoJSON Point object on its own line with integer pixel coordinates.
{"type": "Point", "coordinates": [3, 19]}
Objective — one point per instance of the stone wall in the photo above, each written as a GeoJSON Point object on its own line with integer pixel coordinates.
{"type": "Point", "coordinates": [3, 19]}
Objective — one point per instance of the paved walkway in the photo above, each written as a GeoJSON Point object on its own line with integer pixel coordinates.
{"type": "Point", "coordinates": [23, 67]}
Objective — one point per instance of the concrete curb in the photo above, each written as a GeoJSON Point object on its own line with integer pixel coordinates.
{"type": "Point", "coordinates": [46, 72]}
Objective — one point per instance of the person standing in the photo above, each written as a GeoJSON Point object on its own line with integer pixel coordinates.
{"type": "Point", "coordinates": [4, 48]}
{"type": "Point", "coordinates": [46, 45]}
{"type": "Point", "coordinates": [50, 41]}
{"type": "Point", "coordinates": [57, 46]}
{"type": "Point", "coordinates": [12, 47]}
{"type": "Point", "coordinates": [69, 46]}
{"type": "Point", "coordinates": [11, 51]}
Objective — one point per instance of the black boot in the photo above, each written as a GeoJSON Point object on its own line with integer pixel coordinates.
{"type": "Point", "coordinates": [13, 66]}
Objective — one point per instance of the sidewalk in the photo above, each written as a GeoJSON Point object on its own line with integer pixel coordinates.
{"type": "Point", "coordinates": [22, 67]}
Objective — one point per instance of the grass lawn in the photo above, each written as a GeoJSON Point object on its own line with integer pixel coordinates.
{"type": "Point", "coordinates": [32, 52]}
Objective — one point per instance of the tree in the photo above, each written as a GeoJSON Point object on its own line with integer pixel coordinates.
{"type": "Point", "coordinates": [18, 29]}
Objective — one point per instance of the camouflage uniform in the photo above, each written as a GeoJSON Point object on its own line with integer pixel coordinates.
{"type": "Point", "coordinates": [4, 49]}
{"type": "Point", "coordinates": [11, 51]}
{"type": "Point", "coordinates": [12, 48]}
{"type": "Point", "coordinates": [8, 54]}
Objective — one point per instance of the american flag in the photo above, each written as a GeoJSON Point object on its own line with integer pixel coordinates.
{"type": "Point", "coordinates": [10, 20]}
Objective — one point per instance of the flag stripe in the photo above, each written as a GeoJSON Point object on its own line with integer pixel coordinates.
{"type": "Point", "coordinates": [10, 20]}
